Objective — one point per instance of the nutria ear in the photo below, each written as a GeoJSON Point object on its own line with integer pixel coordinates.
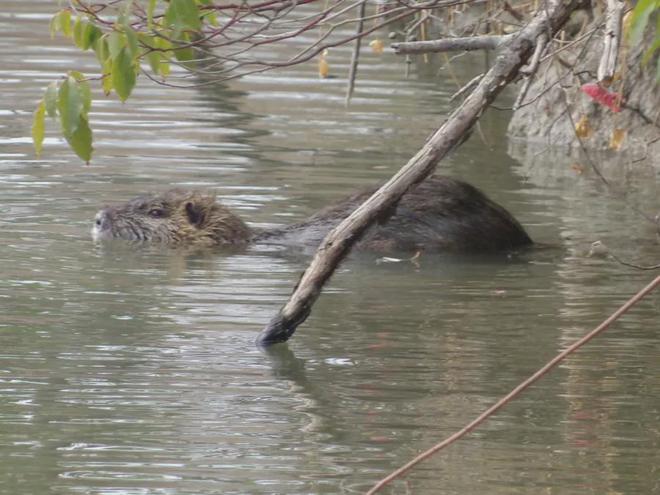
{"type": "Point", "coordinates": [196, 213]}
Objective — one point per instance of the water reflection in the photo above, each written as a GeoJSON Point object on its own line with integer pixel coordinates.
{"type": "Point", "coordinates": [134, 371]}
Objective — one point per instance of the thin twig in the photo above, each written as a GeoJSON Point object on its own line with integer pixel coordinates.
{"type": "Point", "coordinates": [532, 67]}
{"type": "Point", "coordinates": [467, 87]}
{"type": "Point", "coordinates": [520, 388]}
{"type": "Point", "coordinates": [352, 74]}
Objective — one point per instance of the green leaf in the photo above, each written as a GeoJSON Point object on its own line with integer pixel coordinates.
{"type": "Point", "coordinates": [150, 14]}
{"type": "Point", "coordinates": [184, 55]}
{"type": "Point", "coordinates": [81, 140]}
{"type": "Point", "coordinates": [212, 19]}
{"type": "Point", "coordinates": [70, 105]}
{"type": "Point", "coordinates": [163, 43]}
{"type": "Point", "coordinates": [147, 40]}
{"type": "Point", "coordinates": [91, 35]}
{"type": "Point", "coordinates": [38, 127]}
{"type": "Point", "coordinates": [123, 74]}
{"type": "Point", "coordinates": [640, 18]}
{"type": "Point", "coordinates": [153, 58]}
{"type": "Point", "coordinates": [648, 54]}
{"type": "Point", "coordinates": [65, 23]}
{"type": "Point", "coordinates": [50, 99]}
{"type": "Point", "coordinates": [84, 89]}
{"type": "Point", "coordinates": [55, 24]}
{"type": "Point", "coordinates": [107, 76]}
{"type": "Point", "coordinates": [131, 39]}
{"type": "Point", "coordinates": [116, 42]}
{"type": "Point", "coordinates": [78, 28]}
{"type": "Point", "coordinates": [165, 67]}
{"type": "Point", "coordinates": [183, 14]}
{"type": "Point", "coordinates": [101, 49]}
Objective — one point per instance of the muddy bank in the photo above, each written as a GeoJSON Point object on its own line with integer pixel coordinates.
{"type": "Point", "coordinates": [554, 104]}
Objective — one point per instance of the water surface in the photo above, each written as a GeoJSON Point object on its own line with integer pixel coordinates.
{"type": "Point", "coordinates": [134, 372]}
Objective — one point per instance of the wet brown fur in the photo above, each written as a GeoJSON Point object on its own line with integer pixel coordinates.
{"type": "Point", "coordinates": [177, 217]}
{"type": "Point", "coordinates": [440, 214]}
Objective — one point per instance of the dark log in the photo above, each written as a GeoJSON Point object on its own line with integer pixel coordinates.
{"type": "Point", "coordinates": [551, 17]}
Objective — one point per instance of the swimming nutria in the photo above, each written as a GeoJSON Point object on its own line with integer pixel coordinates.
{"type": "Point", "coordinates": [441, 214]}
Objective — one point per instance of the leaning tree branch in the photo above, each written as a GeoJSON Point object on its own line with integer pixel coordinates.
{"type": "Point", "coordinates": [340, 240]}
{"type": "Point", "coordinates": [469, 43]}
{"type": "Point", "coordinates": [607, 65]}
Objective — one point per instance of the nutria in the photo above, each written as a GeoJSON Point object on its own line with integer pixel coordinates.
{"type": "Point", "coordinates": [441, 214]}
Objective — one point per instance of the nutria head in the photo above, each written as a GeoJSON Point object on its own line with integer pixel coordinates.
{"type": "Point", "coordinates": [177, 217]}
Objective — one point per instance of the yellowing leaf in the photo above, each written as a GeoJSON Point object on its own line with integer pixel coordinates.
{"type": "Point", "coordinates": [212, 19]}
{"type": "Point", "coordinates": [50, 99]}
{"type": "Point", "coordinates": [617, 138]}
{"type": "Point", "coordinates": [123, 74]}
{"type": "Point", "coordinates": [65, 23]}
{"type": "Point", "coordinates": [324, 67]}
{"type": "Point", "coordinates": [107, 83]}
{"type": "Point", "coordinates": [38, 126]}
{"type": "Point", "coordinates": [582, 128]}
{"type": "Point", "coordinates": [164, 66]}
{"type": "Point", "coordinates": [78, 29]}
{"type": "Point", "coordinates": [377, 46]}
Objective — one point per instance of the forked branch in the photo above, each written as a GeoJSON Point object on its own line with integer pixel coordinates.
{"type": "Point", "coordinates": [552, 15]}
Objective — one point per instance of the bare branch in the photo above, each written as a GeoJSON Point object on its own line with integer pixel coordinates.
{"type": "Point", "coordinates": [356, 54]}
{"type": "Point", "coordinates": [530, 70]}
{"type": "Point", "coordinates": [607, 65]}
{"type": "Point", "coordinates": [467, 87]}
{"type": "Point", "coordinates": [485, 42]}
{"type": "Point", "coordinates": [340, 240]}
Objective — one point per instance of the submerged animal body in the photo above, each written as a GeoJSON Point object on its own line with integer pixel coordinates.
{"type": "Point", "coordinates": [441, 214]}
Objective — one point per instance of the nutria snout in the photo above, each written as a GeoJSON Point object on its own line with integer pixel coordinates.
{"type": "Point", "coordinates": [440, 214]}
{"type": "Point", "coordinates": [177, 217]}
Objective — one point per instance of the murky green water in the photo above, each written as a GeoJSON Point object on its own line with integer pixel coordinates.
{"type": "Point", "coordinates": [125, 372]}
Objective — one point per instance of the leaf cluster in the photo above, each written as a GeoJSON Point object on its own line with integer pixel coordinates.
{"type": "Point", "coordinates": [121, 41]}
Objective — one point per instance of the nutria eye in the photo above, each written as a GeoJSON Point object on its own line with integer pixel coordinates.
{"type": "Point", "coordinates": [156, 213]}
